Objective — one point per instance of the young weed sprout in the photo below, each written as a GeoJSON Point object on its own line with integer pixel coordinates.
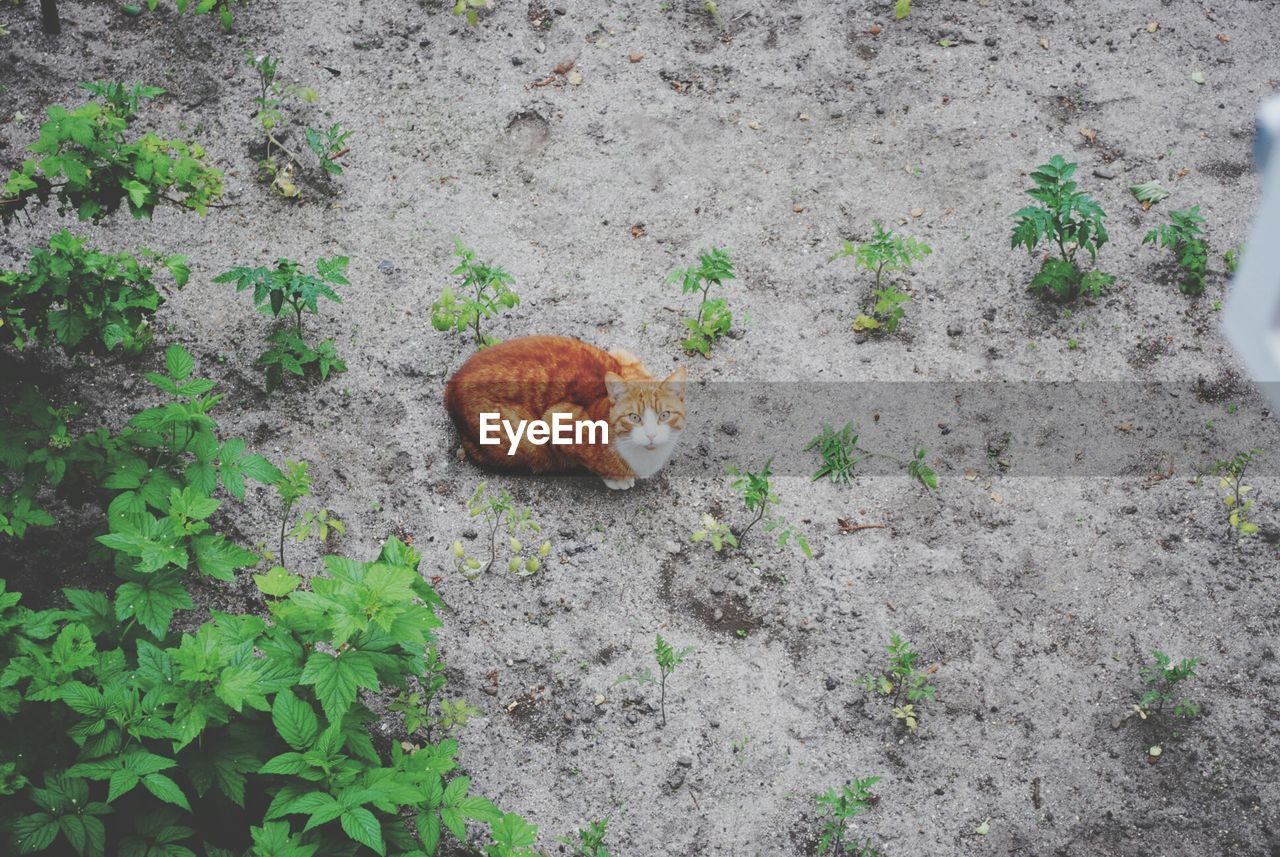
{"type": "Point", "coordinates": [1231, 483]}
{"type": "Point", "coordinates": [759, 497]}
{"type": "Point", "coordinates": [484, 292]}
{"type": "Point", "coordinates": [836, 808]}
{"type": "Point", "coordinates": [1184, 235]}
{"type": "Point", "coordinates": [840, 453]}
{"type": "Point", "coordinates": [668, 659]}
{"type": "Point", "coordinates": [1066, 219]}
{"type": "Point", "coordinates": [589, 841]}
{"type": "Point", "coordinates": [902, 681]}
{"type": "Point", "coordinates": [495, 511]}
{"type": "Point", "coordinates": [713, 319]}
{"type": "Point", "coordinates": [1164, 680]}
{"type": "Point", "coordinates": [328, 145]}
{"type": "Point", "coordinates": [886, 253]}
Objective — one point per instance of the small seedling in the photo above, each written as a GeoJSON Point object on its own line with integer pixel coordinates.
{"type": "Point", "coordinates": [759, 497]}
{"type": "Point", "coordinates": [1068, 219]}
{"type": "Point", "coordinates": [285, 285]}
{"type": "Point", "coordinates": [901, 9]}
{"type": "Point", "coordinates": [1164, 680]}
{"type": "Point", "coordinates": [1183, 234]}
{"type": "Point", "coordinates": [839, 451]}
{"type": "Point", "coordinates": [1231, 482]}
{"type": "Point", "coordinates": [471, 9]}
{"type": "Point", "coordinates": [293, 484]}
{"type": "Point", "coordinates": [484, 292]}
{"type": "Point", "coordinates": [715, 533]}
{"type": "Point", "coordinates": [919, 469]}
{"type": "Point", "coordinates": [589, 841]}
{"type": "Point", "coordinates": [1231, 258]}
{"type": "Point", "coordinates": [714, 319]}
{"type": "Point", "coordinates": [319, 523]}
{"type": "Point", "coordinates": [902, 681]}
{"type": "Point", "coordinates": [886, 253]}
{"type": "Point", "coordinates": [837, 807]}
{"type": "Point", "coordinates": [668, 659]}
{"type": "Point", "coordinates": [273, 95]}
{"type": "Point", "coordinates": [494, 512]}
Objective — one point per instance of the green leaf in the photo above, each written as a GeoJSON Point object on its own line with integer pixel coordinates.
{"type": "Point", "coordinates": [336, 680]}
{"type": "Point", "coordinates": [901, 9]}
{"type": "Point", "coordinates": [294, 720]}
{"type": "Point", "coordinates": [166, 790]}
{"type": "Point", "coordinates": [277, 582]}
{"type": "Point", "coordinates": [178, 362]}
{"type": "Point", "coordinates": [363, 827]}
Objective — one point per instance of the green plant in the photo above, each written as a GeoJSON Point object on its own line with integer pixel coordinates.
{"type": "Point", "coordinates": [1148, 193]}
{"type": "Point", "coordinates": [714, 319]}
{"type": "Point", "coordinates": [919, 470]}
{"type": "Point", "coordinates": [327, 145]}
{"type": "Point", "coordinates": [836, 808]}
{"type": "Point", "coordinates": [886, 252]}
{"type": "Point", "coordinates": [1231, 482]}
{"type": "Point", "coordinates": [902, 681]}
{"type": "Point", "coordinates": [318, 523]}
{"type": "Point", "coordinates": [85, 159]}
{"type": "Point", "coordinates": [204, 7]}
{"type": "Point", "coordinates": [484, 292]}
{"type": "Point", "coordinates": [589, 841]}
{"type": "Point", "coordinates": [759, 497]}
{"type": "Point", "coordinates": [292, 484]}
{"type": "Point", "coordinates": [255, 722]}
{"type": "Point", "coordinates": [1068, 219]}
{"type": "Point", "coordinates": [471, 9]}
{"type": "Point", "coordinates": [1231, 258]}
{"type": "Point", "coordinates": [901, 9]}
{"type": "Point", "coordinates": [285, 285]}
{"type": "Point", "coordinates": [715, 533]}
{"type": "Point", "coordinates": [668, 659]}
{"type": "Point", "coordinates": [1164, 680]}
{"type": "Point", "coordinates": [1183, 234]}
{"type": "Point", "coordinates": [494, 511]}
{"type": "Point", "coordinates": [839, 451]}
{"type": "Point", "coordinates": [82, 299]}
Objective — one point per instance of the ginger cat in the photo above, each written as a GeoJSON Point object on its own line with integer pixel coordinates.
{"type": "Point", "coordinates": [536, 378]}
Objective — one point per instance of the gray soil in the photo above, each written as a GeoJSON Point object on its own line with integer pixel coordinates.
{"type": "Point", "coordinates": [1035, 597]}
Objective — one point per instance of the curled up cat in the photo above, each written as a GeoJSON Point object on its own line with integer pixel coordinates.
{"type": "Point", "coordinates": [552, 404]}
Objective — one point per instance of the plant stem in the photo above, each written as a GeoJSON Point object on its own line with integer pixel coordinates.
{"type": "Point", "coordinates": [284, 521]}
{"type": "Point", "coordinates": [662, 698]}
{"type": "Point", "coordinates": [760, 514]}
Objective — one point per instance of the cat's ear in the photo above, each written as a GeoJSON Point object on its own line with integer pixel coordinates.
{"type": "Point", "coordinates": [675, 382]}
{"type": "Point", "coordinates": [614, 385]}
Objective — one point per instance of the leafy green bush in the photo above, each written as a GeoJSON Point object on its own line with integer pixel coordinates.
{"type": "Point", "coordinates": [82, 299]}
{"type": "Point", "coordinates": [255, 722]}
{"type": "Point", "coordinates": [283, 286]}
{"type": "Point", "coordinates": [85, 160]}
{"type": "Point", "coordinates": [241, 735]}
{"type": "Point", "coordinates": [484, 292]}
{"type": "Point", "coordinates": [1183, 234]}
{"type": "Point", "coordinates": [714, 319]}
{"type": "Point", "coordinates": [1068, 219]}
{"type": "Point", "coordinates": [758, 496]}
{"type": "Point", "coordinates": [902, 681]}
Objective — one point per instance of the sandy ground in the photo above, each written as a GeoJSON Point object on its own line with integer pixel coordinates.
{"type": "Point", "coordinates": [1035, 593]}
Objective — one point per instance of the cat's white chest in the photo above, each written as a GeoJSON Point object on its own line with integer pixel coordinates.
{"type": "Point", "coordinates": [646, 462]}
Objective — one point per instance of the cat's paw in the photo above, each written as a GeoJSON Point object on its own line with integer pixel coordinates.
{"type": "Point", "coordinates": [619, 484]}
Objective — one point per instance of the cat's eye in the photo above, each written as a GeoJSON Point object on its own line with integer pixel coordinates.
{"type": "Point", "coordinates": [664, 416]}
{"type": "Point", "coordinates": [635, 418]}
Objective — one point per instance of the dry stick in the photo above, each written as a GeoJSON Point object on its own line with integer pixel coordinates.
{"type": "Point", "coordinates": [853, 528]}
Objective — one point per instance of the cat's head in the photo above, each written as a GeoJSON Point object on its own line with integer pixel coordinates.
{"type": "Point", "coordinates": [646, 418]}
